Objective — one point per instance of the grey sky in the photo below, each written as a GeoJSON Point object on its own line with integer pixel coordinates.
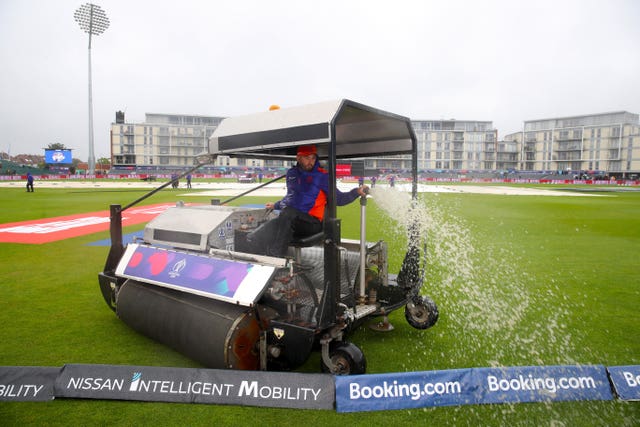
{"type": "Point", "coordinates": [505, 61]}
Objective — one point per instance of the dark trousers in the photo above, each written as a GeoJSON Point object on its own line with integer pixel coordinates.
{"type": "Point", "coordinates": [272, 238]}
{"type": "Point", "coordinates": [30, 187]}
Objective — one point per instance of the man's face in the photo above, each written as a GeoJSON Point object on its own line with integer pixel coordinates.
{"type": "Point", "coordinates": [306, 162]}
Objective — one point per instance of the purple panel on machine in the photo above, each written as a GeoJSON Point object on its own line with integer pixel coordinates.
{"type": "Point", "coordinates": [226, 280]}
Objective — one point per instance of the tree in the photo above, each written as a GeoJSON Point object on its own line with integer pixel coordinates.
{"type": "Point", "coordinates": [56, 146]}
{"type": "Point", "coordinates": [104, 161]}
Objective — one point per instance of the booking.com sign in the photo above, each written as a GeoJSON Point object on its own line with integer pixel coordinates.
{"type": "Point", "coordinates": [471, 386]}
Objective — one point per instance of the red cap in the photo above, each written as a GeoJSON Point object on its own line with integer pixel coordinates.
{"type": "Point", "coordinates": [305, 150]}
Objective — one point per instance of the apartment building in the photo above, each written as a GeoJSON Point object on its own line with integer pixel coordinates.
{"type": "Point", "coordinates": [171, 141]}
{"type": "Point", "coordinates": [456, 145]}
{"type": "Point", "coordinates": [162, 141]}
{"type": "Point", "coordinates": [605, 143]}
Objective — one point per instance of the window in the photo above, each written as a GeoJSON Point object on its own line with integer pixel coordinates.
{"type": "Point", "coordinates": [615, 131]}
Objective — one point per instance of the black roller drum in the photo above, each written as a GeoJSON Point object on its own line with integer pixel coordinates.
{"type": "Point", "coordinates": [217, 334]}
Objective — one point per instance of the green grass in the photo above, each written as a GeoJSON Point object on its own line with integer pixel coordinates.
{"type": "Point", "coordinates": [549, 280]}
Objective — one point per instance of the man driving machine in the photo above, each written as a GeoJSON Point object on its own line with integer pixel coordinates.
{"type": "Point", "coordinates": [302, 208]}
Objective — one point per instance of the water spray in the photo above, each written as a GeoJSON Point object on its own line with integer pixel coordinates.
{"type": "Point", "coordinates": [363, 245]}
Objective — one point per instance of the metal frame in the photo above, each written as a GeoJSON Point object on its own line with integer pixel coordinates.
{"type": "Point", "coordinates": [340, 129]}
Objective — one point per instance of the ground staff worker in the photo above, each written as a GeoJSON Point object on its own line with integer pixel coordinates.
{"type": "Point", "coordinates": [302, 208]}
{"type": "Point", "coordinates": [29, 182]}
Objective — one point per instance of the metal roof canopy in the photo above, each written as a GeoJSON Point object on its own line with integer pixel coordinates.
{"type": "Point", "coordinates": [357, 130]}
{"type": "Point", "coordinates": [339, 128]}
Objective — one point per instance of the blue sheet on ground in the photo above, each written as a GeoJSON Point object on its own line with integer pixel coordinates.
{"type": "Point", "coordinates": [126, 239]}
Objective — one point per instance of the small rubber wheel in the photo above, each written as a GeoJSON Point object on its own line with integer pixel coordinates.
{"type": "Point", "coordinates": [421, 312]}
{"type": "Point", "coordinates": [346, 358]}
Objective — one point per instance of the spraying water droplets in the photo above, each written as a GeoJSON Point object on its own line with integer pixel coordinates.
{"type": "Point", "coordinates": [482, 292]}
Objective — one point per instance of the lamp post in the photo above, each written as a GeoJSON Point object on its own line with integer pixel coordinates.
{"type": "Point", "coordinates": [94, 21]}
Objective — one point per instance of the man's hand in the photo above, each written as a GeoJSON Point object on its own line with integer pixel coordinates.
{"type": "Point", "coordinates": [363, 190]}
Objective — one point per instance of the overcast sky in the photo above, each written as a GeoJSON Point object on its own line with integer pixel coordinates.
{"type": "Point", "coordinates": [504, 61]}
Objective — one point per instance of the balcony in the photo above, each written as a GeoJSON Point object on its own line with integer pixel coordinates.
{"type": "Point", "coordinates": [569, 137]}
{"type": "Point", "coordinates": [503, 157]}
{"type": "Point", "coordinates": [569, 147]}
{"type": "Point", "coordinates": [568, 157]}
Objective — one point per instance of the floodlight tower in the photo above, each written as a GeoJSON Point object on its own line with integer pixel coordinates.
{"type": "Point", "coordinates": [94, 21]}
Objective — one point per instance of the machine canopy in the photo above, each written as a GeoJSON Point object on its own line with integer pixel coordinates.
{"type": "Point", "coordinates": [357, 130]}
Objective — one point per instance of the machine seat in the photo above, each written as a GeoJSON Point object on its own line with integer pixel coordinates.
{"type": "Point", "coordinates": [306, 241]}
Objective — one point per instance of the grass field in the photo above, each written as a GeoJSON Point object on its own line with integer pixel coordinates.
{"type": "Point", "coordinates": [519, 281]}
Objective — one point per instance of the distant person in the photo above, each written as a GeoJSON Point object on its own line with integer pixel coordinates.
{"type": "Point", "coordinates": [29, 182]}
{"type": "Point", "coordinates": [302, 207]}
{"type": "Point", "coordinates": [174, 180]}
{"type": "Point", "coordinates": [361, 181]}
{"type": "Point", "coordinates": [189, 181]}
{"type": "Point", "coordinates": [392, 181]}
{"type": "Point", "coordinates": [373, 181]}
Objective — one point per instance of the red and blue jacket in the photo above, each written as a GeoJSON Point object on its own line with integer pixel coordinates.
{"type": "Point", "coordinates": [307, 191]}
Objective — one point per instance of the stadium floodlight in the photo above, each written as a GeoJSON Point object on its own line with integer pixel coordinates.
{"type": "Point", "coordinates": [94, 21]}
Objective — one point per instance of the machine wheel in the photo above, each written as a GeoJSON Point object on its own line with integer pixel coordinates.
{"type": "Point", "coordinates": [421, 312]}
{"type": "Point", "coordinates": [347, 358]}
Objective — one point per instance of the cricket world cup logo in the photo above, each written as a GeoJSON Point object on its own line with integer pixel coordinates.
{"type": "Point", "coordinates": [177, 268]}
